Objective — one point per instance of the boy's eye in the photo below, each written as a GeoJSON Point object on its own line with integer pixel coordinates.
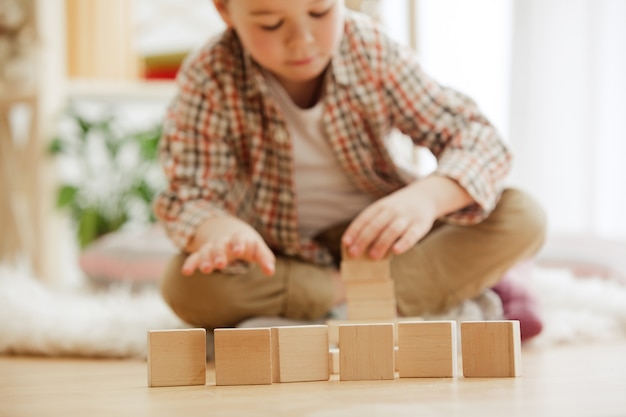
{"type": "Point", "coordinates": [270, 28]}
{"type": "Point", "coordinates": [320, 14]}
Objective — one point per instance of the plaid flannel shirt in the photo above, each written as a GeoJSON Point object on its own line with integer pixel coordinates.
{"type": "Point", "coordinates": [226, 149]}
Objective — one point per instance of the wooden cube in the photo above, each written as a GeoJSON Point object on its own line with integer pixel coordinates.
{"type": "Point", "coordinates": [334, 324]}
{"type": "Point", "coordinates": [176, 357]}
{"type": "Point", "coordinates": [491, 349]}
{"type": "Point", "coordinates": [365, 270]}
{"type": "Point", "coordinates": [300, 353]}
{"type": "Point", "coordinates": [370, 290]}
{"type": "Point", "coordinates": [427, 349]}
{"type": "Point", "coordinates": [333, 327]}
{"type": "Point", "coordinates": [243, 356]}
{"type": "Point", "coordinates": [366, 352]}
{"type": "Point", "coordinates": [372, 310]}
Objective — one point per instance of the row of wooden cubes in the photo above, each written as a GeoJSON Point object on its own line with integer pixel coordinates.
{"type": "Point", "coordinates": [366, 352]}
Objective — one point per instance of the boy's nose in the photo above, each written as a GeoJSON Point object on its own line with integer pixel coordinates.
{"type": "Point", "coordinates": [299, 35]}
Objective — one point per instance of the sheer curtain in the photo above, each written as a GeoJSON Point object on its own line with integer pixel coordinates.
{"type": "Point", "coordinates": [551, 75]}
{"type": "Point", "coordinates": [568, 111]}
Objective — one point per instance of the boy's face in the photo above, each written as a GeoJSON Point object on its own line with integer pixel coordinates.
{"type": "Point", "coordinates": [293, 39]}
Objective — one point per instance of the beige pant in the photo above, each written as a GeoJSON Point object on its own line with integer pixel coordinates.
{"type": "Point", "coordinates": [449, 265]}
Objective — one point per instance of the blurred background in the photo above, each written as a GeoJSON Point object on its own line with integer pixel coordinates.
{"type": "Point", "coordinates": [84, 84]}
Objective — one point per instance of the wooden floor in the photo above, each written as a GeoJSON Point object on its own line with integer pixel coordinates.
{"type": "Point", "coordinates": [571, 381]}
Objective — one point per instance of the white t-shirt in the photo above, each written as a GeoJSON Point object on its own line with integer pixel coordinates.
{"type": "Point", "coordinates": [324, 194]}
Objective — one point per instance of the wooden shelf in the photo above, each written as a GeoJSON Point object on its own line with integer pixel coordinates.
{"type": "Point", "coordinates": [120, 90]}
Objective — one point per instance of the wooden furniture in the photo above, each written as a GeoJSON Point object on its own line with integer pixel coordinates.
{"type": "Point", "coordinates": [99, 40]}
{"type": "Point", "coordinates": [22, 206]}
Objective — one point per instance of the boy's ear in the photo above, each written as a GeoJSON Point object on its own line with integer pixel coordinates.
{"type": "Point", "coordinates": [222, 9]}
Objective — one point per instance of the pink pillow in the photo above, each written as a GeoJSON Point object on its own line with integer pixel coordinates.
{"type": "Point", "coordinates": [132, 256]}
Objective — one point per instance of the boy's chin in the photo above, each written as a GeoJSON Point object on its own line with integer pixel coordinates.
{"type": "Point", "coordinates": [303, 76]}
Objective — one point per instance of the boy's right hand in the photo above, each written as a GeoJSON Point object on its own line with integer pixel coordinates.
{"type": "Point", "coordinates": [220, 241]}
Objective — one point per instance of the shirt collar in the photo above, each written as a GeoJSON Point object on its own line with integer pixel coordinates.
{"type": "Point", "coordinates": [340, 63]}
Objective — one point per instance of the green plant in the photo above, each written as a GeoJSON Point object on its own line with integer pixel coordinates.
{"type": "Point", "coordinates": [108, 176]}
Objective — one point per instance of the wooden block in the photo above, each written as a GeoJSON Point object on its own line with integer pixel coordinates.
{"type": "Point", "coordinates": [243, 356]}
{"type": "Point", "coordinates": [427, 349]}
{"type": "Point", "coordinates": [366, 352]}
{"type": "Point", "coordinates": [333, 327]}
{"type": "Point", "coordinates": [365, 270]}
{"type": "Point", "coordinates": [362, 257]}
{"type": "Point", "coordinates": [372, 310]}
{"type": "Point", "coordinates": [300, 353]}
{"type": "Point", "coordinates": [491, 349]}
{"type": "Point", "coordinates": [370, 290]}
{"type": "Point", "coordinates": [176, 357]}
{"type": "Point", "coordinates": [333, 360]}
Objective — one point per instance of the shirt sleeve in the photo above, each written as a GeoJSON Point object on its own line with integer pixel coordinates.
{"type": "Point", "coordinates": [468, 148]}
{"type": "Point", "coordinates": [195, 156]}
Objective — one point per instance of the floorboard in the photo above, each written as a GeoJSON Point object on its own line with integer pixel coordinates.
{"type": "Point", "coordinates": [572, 380]}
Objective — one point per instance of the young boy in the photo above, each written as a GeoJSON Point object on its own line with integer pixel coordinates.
{"type": "Point", "coordinates": [275, 151]}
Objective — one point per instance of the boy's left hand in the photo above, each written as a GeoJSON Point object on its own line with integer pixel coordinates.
{"type": "Point", "coordinates": [398, 221]}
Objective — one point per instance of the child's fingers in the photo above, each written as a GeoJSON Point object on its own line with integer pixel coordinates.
{"type": "Point", "coordinates": [388, 236]}
{"type": "Point", "coordinates": [352, 236]}
{"type": "Point", "coordinates": [212, 256]}
{"type": "Point", "coordinates": [191, 264]}
{"type": "Point", "coordinates": [219, 260]}
{"type": "Point", "coordinates": [365, 229]}
{"type": "Point", "coordinates": [252, 249]}
{"type": "Point", "coordinates": [265, 259]}
{"type": "Point", "coordinates": [237, 248]}
{"type": "Point", "coordinates": [219, 254]}
{"type": "Point", "coordinates": [258, 252]}
{"type": "Point", "coordinates": [410, 238]}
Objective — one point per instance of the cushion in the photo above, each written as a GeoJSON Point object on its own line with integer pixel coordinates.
{"type": "Point", "coordinates": [135, 256]}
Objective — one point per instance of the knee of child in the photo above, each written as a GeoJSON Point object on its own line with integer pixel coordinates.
{"type": "Point", "coordinates": [195, 300]}
{"type": "Point", "coordinates": [527, 217]}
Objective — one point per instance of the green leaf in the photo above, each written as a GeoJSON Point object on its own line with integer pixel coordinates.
{"type": "Point", "coordinates": [84, 125]}
{"type": "Point", "coordinates": [88, 227]}
{"type": "Point", "coordinates": [56, 147]}
{"type": "Point", "coordinates": [143, 191]}
{"type": "Point", "coordinates": [149, 143]}
{"type": "Point", "coordinates": [66, 196]}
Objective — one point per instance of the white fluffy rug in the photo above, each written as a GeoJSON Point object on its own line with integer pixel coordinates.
{"type": "Point", "coordinates": [578, 309]}
{"type": "Point", "coordinates": [35, 319]}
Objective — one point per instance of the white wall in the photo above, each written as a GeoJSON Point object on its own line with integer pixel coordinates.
{"type": "Point", "coordinates": [568, 107]}
{"type": "Point", "coordinates": [466, 45]}
{"type": "Point", "coordinates": [550, 75]}
{"type": "Point", "coordinates": [394, 16]}
{"type": "Point", "coordinates": [165, 26]}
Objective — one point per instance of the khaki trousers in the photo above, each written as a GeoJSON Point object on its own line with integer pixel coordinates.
{"type": "Point", "coordinates": [449, 265]}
